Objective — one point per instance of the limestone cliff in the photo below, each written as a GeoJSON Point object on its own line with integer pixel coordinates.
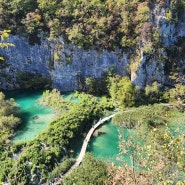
{"type": "Point", "coordinates": [66, 64]}
{"type": "Point", "coordinates": [168, 58]}
{"type": "Point", "coordinates": [63, 63]}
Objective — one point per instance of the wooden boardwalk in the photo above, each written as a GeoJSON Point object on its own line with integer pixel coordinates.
{"type": "Point", "coordinates": [84, 147]}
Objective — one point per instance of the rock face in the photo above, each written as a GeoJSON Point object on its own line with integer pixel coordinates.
{"type": "Point", "coordinates": [148, 72]}
{"type": "Point", "coordinates": [153, 68]}
{"type": "Point", "coordinates": [66, 65]}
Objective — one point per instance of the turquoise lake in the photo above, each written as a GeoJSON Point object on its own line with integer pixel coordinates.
{"type": "Point", "coordinates": [106, 146]}
{"type": "Point", "coordinates": [35, 119]}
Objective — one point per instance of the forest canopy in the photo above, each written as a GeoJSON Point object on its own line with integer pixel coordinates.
{"type": "Point", "coordinates": [107, 24]}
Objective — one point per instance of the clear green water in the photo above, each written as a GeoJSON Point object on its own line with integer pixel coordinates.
{"type": "Point", "coordinates": [35, 117]}
{"type": "Point", "coordinates": [106, 145]}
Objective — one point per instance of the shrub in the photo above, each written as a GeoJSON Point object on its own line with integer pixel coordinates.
{"type": "Point", "coordinates": [91, 171]}
{"type": "Point", "coordinates": [122, 91]}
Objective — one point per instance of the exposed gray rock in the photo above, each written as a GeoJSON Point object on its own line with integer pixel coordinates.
{"type": "Point", "coordinates": [149, 71]}
{"type": "Point", "coordinates": [64, 63]}
{"type": "Point", "coordinates": [151, 68]}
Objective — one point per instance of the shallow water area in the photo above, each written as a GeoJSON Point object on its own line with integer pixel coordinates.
{"type": "Point", "coordinates": [35, 118]}
{"type": "Point", "coordinates": [106, 146]}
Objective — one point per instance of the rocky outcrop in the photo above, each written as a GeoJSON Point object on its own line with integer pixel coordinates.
{"type": "Point", "coordinates": [148, 72]}
{"type": "Point", "coordinates": [65, 64]}
{"type": "Point", "coordinates": [153, 67]}
{"type": "Point", "coordinates": [68, 65]}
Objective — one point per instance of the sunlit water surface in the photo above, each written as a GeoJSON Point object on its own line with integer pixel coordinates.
{"type": "Point", "coordinates": [35, 119]}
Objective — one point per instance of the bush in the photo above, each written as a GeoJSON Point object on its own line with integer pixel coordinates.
{"type": "Point", "coordinates": [62, 168]}
{"type": "Point", "coordinates": [91, 171]}
{"type": "Point", "coordinates": [122, 91]}
{"type": "Point", "coordinates": [153, 93]}
{"type": "Point", "coordinates": [153, 116]}
{"type": "Point", "coordinates": [9, 112]}
{"type": "Point", "coordinates": [177, 93]}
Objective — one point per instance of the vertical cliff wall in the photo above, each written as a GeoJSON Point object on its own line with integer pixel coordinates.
{"type": "Point", "coordinates": [165, 58]}
{"type": "Point", "coordinates": [63, 63]}
{"type": "Point", "coordinates": [67, 65]}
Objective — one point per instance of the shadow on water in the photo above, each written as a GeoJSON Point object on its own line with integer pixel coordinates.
{"type": "Point", "coordinates": [20, 94]}
{"type": "Point", "coordinates": [76, 145]}
{"type": "Point", "coordinates": [25, 116]}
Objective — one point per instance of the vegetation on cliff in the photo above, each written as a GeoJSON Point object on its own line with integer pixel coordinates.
{"type": "Point", "coordinates": [3, 44]}
{"type": "Point", "coordinates": [102, 24]}
{"type": "Point", "coordinates": [98, 24]}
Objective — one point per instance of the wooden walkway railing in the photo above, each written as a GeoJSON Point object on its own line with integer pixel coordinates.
{"type": "Point", "coordinates": [84, 147]}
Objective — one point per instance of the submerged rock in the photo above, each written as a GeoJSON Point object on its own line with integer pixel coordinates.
{"type": "Point", "coordinates": [98, 132]}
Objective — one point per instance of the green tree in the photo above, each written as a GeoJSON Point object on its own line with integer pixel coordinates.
{"type": "Point", "coordinates": [143, 12]}
{"type": "Point", "coordinates": [152, 116]}
{"type": "Point", "coordinates": [165, 157]}
{"type": "Point", "coordinates": [23, 6]}
{"type": "Point", "coordinates": [153, 93]}
{"type": "Point", "coordinates": [91, 171]}
{"type": "Point", "coordinates": [122, 91]}
{"type": "Point", "coordinates": [9, 111]}
{"type": "Point", "coordinates": [177, 93]}
{"type": "Point", "coordinates": [4, 35]}
{"type": "Point", "coordinates": [91, 85]}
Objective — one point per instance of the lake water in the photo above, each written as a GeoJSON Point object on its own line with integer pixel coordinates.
{"type": "Point", "coordinates": [106, 146]}
{"type": "Point", "coordinates": [35, 119]}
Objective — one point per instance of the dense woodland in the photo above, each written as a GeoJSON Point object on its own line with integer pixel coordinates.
{"type": "Point", "coordinates": [97, 24]}
{"type": "Point", "coordinates": [155, 114]}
